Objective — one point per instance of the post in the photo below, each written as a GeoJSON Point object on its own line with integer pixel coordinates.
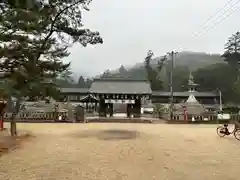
{"type": "Point", "coordinates": [171, 88]}
{"type": "Point", "coordinates": [220, 100]}
{"type": "Point", "coordinates": [220, 104]}
{"type": "Point", "coordinates": [3, 105]}
{"type": "Point", "coordinates": [1, 123]}
{"type": "Point", "coordinates": [172, 54]}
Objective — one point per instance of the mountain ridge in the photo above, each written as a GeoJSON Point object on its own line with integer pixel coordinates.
{"type": "Point", "coordinates": [192, 60]}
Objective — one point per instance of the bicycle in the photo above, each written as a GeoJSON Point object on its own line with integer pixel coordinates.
{"type": "Point", "coordinates": [223, 131]}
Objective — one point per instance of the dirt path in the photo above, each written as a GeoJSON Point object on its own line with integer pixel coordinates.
{"type": "Point", "coordinates": [122, 151]}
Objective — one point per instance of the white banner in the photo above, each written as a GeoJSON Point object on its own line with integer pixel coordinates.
{"type": "Point", "coordinates": [224, 116]}
{"type": "Point", "coordinates": [107, 101]}
{"type": "Point", "coordinates": [119, 101]}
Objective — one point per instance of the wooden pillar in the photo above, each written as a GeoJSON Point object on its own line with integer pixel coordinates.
{"type": "Point", "coordinates": [102, 108]}
{"type": "Point", "coordinates": [137, 108]}
{"type": "Point", "coordinates": [1, 122]}
{"type": "Point", "coordinates": [128, 110]}
{"type": "Point", "coordinates": [3, 105]}
{"type": "Point", "coordinates": [107, 109]}
{"type": "Point", "coordinates": [111, 109]}
{"type": "Point", "coordinates": [95, 106]}
{"type": "Point", "coordinates": [87, 108]}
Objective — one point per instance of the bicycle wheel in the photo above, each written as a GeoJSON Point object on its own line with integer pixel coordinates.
{"type": "Point", "coordinates": [237, 134]}
{"type": "Point", "coordinates": [220, 131]}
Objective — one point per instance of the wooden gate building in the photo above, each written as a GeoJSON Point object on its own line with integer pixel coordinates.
{"type": "Point", "coordinates": [120, 91]}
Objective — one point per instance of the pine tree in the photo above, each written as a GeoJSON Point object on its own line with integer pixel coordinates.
{"type": "Point", "coordinates": [34, 39]}
{"type": "Point", "coordinates": [153, 73]}
{"type": "Point", "coordinates": [232, 53]}
{"type": "Point", "coordinates": [81, 82]}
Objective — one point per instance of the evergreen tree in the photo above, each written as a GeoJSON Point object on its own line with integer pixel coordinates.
{"type": "Point", "coordinates": [88, 82]}
{"type": "Point", "coordinates": [34, 39]}
{"type": "Point", "coordinates": [106, 74]}
{"type": "Point", "coordinates": [153, 74]}
{"type": "Point", "coordinates": [81, 82]}
{"type": "Point", "coordinates": [232, 53]}
{"type": "Point", "coordinates": [123, 73]}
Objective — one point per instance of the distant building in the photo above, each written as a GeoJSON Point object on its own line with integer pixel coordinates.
{"type": "Point", "coordinates": [128, 91]}
{"type": "Point", "coordinates": [209, 100]}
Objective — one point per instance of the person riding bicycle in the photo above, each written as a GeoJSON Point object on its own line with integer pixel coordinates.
{"type": "Point", "coordinates": [236, 126]}
{"type": "Point", "coordinates": [226, 131]}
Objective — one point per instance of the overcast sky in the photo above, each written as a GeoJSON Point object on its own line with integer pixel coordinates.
{"type": "Point", "coordinates": [130, 28]}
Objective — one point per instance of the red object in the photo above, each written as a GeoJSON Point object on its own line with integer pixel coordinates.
{"type": "Point", "coordinates": [1, 124]}
{"type": "Point", "coordinates": [185, 114]}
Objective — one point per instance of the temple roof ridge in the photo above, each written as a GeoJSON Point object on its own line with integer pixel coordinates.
{"type": "Point", "coordinates": [192, 99]}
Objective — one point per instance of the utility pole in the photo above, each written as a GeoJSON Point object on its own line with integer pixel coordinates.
{"type": "Point", "coordinates": [172, 55]}
{"type": "Point", "coordinates": [220, 100]}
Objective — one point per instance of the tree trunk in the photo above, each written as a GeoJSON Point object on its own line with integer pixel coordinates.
{"type": "Point", "coordinates": [2, 122]}
{"type": "Point", "coordinates": [13, 125]}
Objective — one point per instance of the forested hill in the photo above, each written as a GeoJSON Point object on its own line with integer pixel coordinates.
{"type": "Point", "coordinates": [211, 72]}
{"type": "Point", "coordinates": [206, 69]}
{"type": "Point", "coordinates": [196, 60]}
{"type": "Point", "coordinates": [191, 60]}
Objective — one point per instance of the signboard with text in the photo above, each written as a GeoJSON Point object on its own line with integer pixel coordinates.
{"type": "Point", "coordinates": [117, 101]}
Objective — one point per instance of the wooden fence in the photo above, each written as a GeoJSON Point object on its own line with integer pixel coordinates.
{"type": "Point", "coordinates": [196, 117]}
{"type": "Point", "coordinates": [38, 117]}
{"type": "Point", "coordinates": [204, 118]}
{"type": "Point", "coordinates": [54, 117]}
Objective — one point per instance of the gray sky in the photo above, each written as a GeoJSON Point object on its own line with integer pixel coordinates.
{"type": "Point", "coordinates": [130, 28]}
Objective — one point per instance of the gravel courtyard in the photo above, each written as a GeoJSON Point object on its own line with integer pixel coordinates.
{"type": "Point", "coordinates": [122, 152]}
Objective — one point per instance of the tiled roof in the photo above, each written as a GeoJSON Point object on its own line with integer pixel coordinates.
{"type": "Point", "coordinates": [185, 94]}
{"type": "Point", "coordinates": [128, 85]}
{"type": "Point", "coordinates": [74, 90]}
{"type": "Point", "coordinates": [120, 86]}
{"type": "Point", "coordinates": [89, 98]}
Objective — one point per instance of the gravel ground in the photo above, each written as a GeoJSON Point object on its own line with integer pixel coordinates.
{"type": "Point", "coordinates": [122, 152]}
